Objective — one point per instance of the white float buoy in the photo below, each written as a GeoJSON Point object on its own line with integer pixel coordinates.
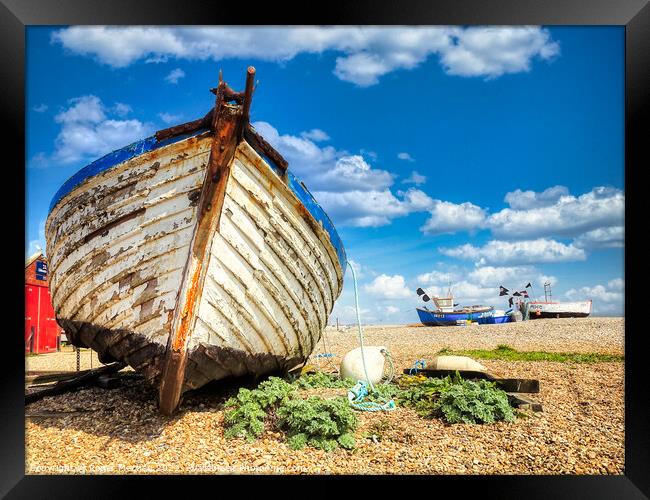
{"type": "Point", "coordinates": [352, 364]}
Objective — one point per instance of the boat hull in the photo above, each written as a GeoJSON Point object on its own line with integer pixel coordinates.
{"type": "Point", "coordinates": [119, 242]}
{"type": "Point", "coordinates": [539, 310]}
{"type": "Point", "coordinates": [493, 320]}
{"type": "Point", "coordinates": [436, 318]}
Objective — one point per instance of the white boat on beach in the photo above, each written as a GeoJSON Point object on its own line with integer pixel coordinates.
{"type": "Point", "coordinates": [194, 255]}
{"type": "Point", "coordinates": [550, 309]}
{"type": "Point", "coordinates": [580, 309]}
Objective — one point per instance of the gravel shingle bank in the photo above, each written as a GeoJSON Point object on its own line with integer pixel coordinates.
{"type": "Point", "coordinates": [581, 430]}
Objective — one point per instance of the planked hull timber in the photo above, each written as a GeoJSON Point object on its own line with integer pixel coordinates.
{"type": "Point", "coordinates": [194, 255]}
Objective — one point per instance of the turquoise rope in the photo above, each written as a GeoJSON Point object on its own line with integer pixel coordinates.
{"type": "Point", "coordinates": [420, 364]}
{"type": "Point", "coordinates": [359, 392]}
{"type": "Point", "coordinates": [357, 395]}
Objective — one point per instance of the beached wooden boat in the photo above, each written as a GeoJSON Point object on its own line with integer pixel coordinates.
{"type": "Point", "coordinates": [579, 309]}
{"type": "Point", "coordinates": [194, 255]}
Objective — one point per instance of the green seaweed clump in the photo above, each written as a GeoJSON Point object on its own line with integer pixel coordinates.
{"type": "Point", "coordinates": [456, 400]}
{"type": "Point", "coordinates": [247, 411]}
{"type": "Point", "coordinates": [471, 402]}
{"type": "Point", "coordinates": [321, 423]}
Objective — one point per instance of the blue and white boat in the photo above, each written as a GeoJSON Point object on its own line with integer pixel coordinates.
{"type": "Point", "coordinates": [446, 315]}
{"type": "Point", "coordinates": [495, 317]}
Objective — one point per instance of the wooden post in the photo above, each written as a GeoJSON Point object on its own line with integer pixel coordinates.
{"type": "Point", "coordinates": [248, 96]}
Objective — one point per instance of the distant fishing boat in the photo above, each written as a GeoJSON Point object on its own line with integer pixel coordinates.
{"type": "Point", "coordinates": [537, 310]}
{"type": "Point", "coordinates": [444, 314]}
{"type": "Point", "coordinates": [551, 309]}
{"type": "Point", "coordinates": [194, 255]}
{"type": "Point", "coordinates": [495, 317]}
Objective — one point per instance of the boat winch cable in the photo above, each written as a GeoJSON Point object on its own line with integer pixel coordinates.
{"type": "Point", "coordinates": [358, 393]}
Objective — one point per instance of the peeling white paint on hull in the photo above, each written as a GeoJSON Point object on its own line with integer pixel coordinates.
{"type": "Point", "coordinates": [117, 246]}
{"type": "Point", "coordinates": [119, 241]}
{"type": "Point", "coordinates": [272, 278]}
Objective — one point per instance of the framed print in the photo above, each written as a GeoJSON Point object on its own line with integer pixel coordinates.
{"type": "Point", "coordinates": [370, 242]}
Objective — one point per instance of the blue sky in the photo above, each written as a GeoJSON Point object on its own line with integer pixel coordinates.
{"type": "Point", "coordinates": [473, 156]}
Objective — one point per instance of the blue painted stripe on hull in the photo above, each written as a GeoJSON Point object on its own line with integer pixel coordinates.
{"type": "Point", "coordinates": [114, 158]}
{"type": "Point", "coordinates": [150, 143]}
{"type": "Point", "coordinates": [310, 203]}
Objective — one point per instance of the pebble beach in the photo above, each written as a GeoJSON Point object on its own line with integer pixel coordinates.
{"type": "Point", "coordinates": [579, 431]}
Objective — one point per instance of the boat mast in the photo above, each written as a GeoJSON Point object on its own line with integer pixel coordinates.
{"type": "Point", "coordinates": [547, 295]}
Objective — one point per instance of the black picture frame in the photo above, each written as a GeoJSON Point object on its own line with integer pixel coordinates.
{"type": "Point", "coordinates": [15, 15]}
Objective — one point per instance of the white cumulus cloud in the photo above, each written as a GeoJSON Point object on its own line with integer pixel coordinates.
{"type": "Point", "coordinates": [351, 191]}
{"type": "Point", "coordinates": [495, 276]}
{"type": "Point", "coordinates": [415, 178]}
{"type": "Point", "coordinates": [493, 51]}
{"type": "Point", "coordinates": [87, 132]}
{"type": "Point", "coordinates": [169, 117]}
{"type": "Point", "coordinates": [517, 252]}
{"type": "Point", "coordinates": [347, 314]}
{"type": "Point", "coordinates": [388, 287]}
{"type": "Point", "coordinates": [359, 270]}
{"type": "Point", "coordinates": [316, 135]}
{"type": "Point", "coordinates": [369, 208]}
{"type": "Point", "coordinates": [559, 214]}
{"type": "Point", "coordinates": [405, 157]}
{"type": "Point", "coordinates": [122, 109]}
{"type": "Point", "coordinates": [175, 75]}
{"type": "Point", "coordinates": [366, 53]}
{"type": "Point", "coordinates": [437, 277]}
{"type": "Point", "coordinates": [604, 237]}
{"type": "Point", "coordinates": [616, 284]}
{"type": "Point", "coordinates": [447, 217]}
{"type": "Point", "coordinates": [525, 200]}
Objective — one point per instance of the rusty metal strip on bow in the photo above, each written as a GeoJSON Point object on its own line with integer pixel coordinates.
{"type": "Point", "coordinates": [228, 122]}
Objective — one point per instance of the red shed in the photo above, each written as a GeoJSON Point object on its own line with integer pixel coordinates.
{"type": "Point", "coordinates": [42, 333]}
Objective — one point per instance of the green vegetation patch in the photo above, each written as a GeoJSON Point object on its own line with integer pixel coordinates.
{"type": "Point", "coordinates": [247, 411]}
{"type": "Point", "coordinates": [321, 423]}
{"type": "Point", "coordinates": [507, 353]}
{"type": "Point", "coordinates": [330, 423]}
{"type": "Point", "coordinates": [456, 400]}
